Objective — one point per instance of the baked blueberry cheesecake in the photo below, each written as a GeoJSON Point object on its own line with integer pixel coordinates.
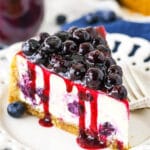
{"type": "Point", "coordinates": [71, 81]}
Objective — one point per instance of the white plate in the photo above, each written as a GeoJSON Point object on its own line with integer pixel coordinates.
{"type": "Point", "coordinates": [26, 133]}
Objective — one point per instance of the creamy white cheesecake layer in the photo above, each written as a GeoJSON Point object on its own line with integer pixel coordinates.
{"type": "Point", "coordinates": [109, 109]}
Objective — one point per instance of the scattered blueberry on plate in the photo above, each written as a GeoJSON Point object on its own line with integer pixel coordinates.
{"type": "Point", "coordinates": [16, 109]}
{"type": "Point", "coordinates": [61, 19]}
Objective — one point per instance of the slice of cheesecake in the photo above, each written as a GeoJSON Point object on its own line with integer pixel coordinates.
{"type": "Point", "coordinates": [71, 81]}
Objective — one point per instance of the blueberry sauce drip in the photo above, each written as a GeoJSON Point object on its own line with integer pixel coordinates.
{"type": "Point", "coordinates": [46, 121]}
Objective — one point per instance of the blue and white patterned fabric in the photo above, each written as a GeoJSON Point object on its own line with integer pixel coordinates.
{"type": "Point", "coordinates": [132, 29]}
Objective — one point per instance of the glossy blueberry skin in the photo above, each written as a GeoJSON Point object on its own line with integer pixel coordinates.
{"type": "Point", "coordinates": [30, 46]}
{"type": "Point", "coordinates": [43, 36]}
{"type": "Point", "coordinates": [53, 42]}
{"type": "Point", "coordinates": [63, 35]}
{"type": "Point", "coordinates": [69, 47]}
{"type": "Point", "coordinates": [39, 58]}
{"type": "Point", "coordinates": [72, 29]}
{"type": "Point", "coordinates": [61, 19]}
{"type": "Point", "coordinates": [95, 57]}
{"type": "Point", "coordinates": [85, 48]}
{"type": "Point", "coordinates": [80, 35]}
{"type": "Point", "coordinates": [94, 78]}
{"type": "Point", "coordinates": [16, 109]}
{"type": "Point", "coordinates": [93, 33]}
{"type": "Point", "coordinates": [109, 61]}
{"type": "Point", "coordinates": [115, 69]}
{"type": "Point", "coordinates": [112, 80]}
{"type": "Point", "coordinates": [77, 71]}
{"type": "Point", "coordinates": [118, 91]}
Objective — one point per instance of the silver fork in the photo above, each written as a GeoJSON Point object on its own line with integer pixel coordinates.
{"type": "Point", "coordinates": [137, 95]}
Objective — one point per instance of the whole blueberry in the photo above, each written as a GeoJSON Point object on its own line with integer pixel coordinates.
{"type": "Point", "coordinates": [69, 47]}
{"type": "Point", "coordinates": [77, 71]}
{"type": "Point", "coordinates": [72, 29]}
{"type": "Point", "coordinates": [85, 48]}
{"type": "Point", "coordinates": [77, 58]}
{"type": "Point", "coordinates": [30, 46]}
{"type": "Point", "coordinates": [94, 78]}
{"type": "Point", "coordinates": [115, 69]}
{"type": "Point", "coordinates": [16, 109]}
{"type": "Point", "coordinates": [92, 31]}
{"type": "Point", "coordinates": [91, 18]}
{"type": "Point", "coordinates": [43, 36]}
{"type": "Point", "coordinates": [95, 57]}
{"type": "Point", "coordinates": [113, 79]}
{"type": "Point", "coordinates": [63, 35]}
{"type": "Point", "coordinates": [98, 41]}
{"type": "Point", "coordinates": [81, 35]}
{"type": "Point", "coordinates": [105, 50]}
{"type": "Point", "coordinates": [109, 61]}
{"type": "Point", "coordinates": [39, 57]}
{"type": "Point", "coordinates": [61, 19]}
{"type": "Point", "coordinates": [58, 63]}
{"type": "Point", "coordinates": [53, 43]}
{"type": "Point", "coordinates": [118, 91]}
{"type": "Point", "coordinates": [108, 16]}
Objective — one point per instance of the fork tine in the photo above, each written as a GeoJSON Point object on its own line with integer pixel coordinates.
{"type": "Point", "coordinates": [138, 82]}
{"type": "Point", "coordinates": [131, 82]}
{"type": "Point", "coordinates": [131, 95]}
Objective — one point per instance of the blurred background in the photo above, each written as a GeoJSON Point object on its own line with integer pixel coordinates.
{"type": "Point", "coordinates": [22, 19]}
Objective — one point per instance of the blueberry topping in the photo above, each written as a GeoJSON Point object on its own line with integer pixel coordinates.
{"type": "Point", "coordinates": [72, 29]}
{"type": "Point", "coordinates": [39, 58]}
{"type": "Point", "coordinates": [91, 18]}
{"type": "Point", "coordinates": [94, 78]}
{"type": "Point", "coordinates": [53, 43]}
{"type": "Point", "coordinates": [113, 79]}
{"type": "Point", "coordinates": [109, 61]}
{"type": "Point", "coordinates": [105, 50]}
{"type": "Point", "coordinates": [16, 109]}
{"type": "Point", "coordinates": [61, 19]}
{"type": "Point", "coordinates": [95, 57]}
{"type": "Point", "coordinates": [69, 47]}
{"type": "Point", "coordinates": [63, 35]}
{"type": "Point", "coordinates": [77, 54]}
{"type": "Point", "coordinates": [115, 69]}
{"type": "Point", "coordinates": [81, 35]}
{"type": "Point", "coordinates": [43, 36]}
{"type": "Point", "coordinates": [77, 71]}
{"type": "Point", "coordinates": [98, 41]}
{"type": "Point", "coordinates": [85, 48]}
{"type": "Point", "coordinates": [92, 31]}
{"type": "Point", "coordinates": [119, 92]}
{"type": "Point", "coordinates": [30, 46]}
{"type": "Point", "coordinates": [58, 64]}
